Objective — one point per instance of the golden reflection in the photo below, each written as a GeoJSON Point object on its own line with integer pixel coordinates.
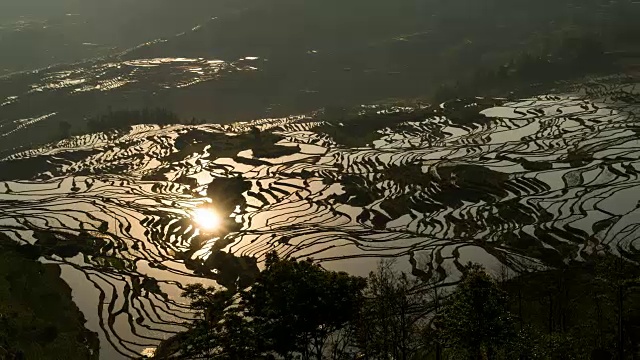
{"type": "Point", "coordinates": [207, 219]}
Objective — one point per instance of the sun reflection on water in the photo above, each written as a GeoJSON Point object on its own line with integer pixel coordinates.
{"type": "Point", "coordinates": [206, 219]}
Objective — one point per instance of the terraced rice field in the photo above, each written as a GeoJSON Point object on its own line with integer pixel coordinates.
{"type": "Point", "coordinates": [527, 182]}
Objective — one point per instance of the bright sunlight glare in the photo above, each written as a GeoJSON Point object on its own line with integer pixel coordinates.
{"type": "Point", "coordinates": [207, 219]}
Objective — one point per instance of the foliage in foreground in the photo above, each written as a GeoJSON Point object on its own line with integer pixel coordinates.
{"type": "Point", "coordinates": [476, 321]}
{"type": "Point", "coordinates": [297, 310]}
{"type": "Point", "coordinates": [38, 319]}
{"type": "Point", "coordinates": [293, 309]}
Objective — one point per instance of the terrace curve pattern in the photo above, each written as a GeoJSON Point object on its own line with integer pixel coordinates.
{"type": "Point", "coordinates": [537, 181]}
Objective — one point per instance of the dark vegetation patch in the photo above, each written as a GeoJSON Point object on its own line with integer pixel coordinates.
{"type": "Point", "coordinates": [274, 151]}
{"type": "Point", "coordinates": [228, 270]}
{"type": "Point", "coordinates": [38, 319]}
{"type": "Point", "coordinates": [34, 168]}
{"type": "Point", "coordinates": [466, 112]}
{"type": "Point", "coordinates": [534, 165]}
{"type": "Point", "coordinates": [359, 126]}
{"type": "Point", "coordinates": [195, 141]}
{"type": "Point", "coordinates": [68, 245]}
{"type": "Point", "coordinates": [76, 155]}
{"type": "Point", "coordinates": [446, 186]}
{"type": "Point", "coordinates": [349, 128]}
{"type": "Point", "coordinates": [472, 183]}
{"type": "Point", "coordinates": [227, 193]}
{"type": "Point", "coordinates": [567, 54]}
{"type": "Point", "coordinates": [450, 184]}
{"type": "Point", "coordinates": [583, 310]}
{"type": "Point", "coordinates": [262, 144]}
{"type": "Point", "coordinates": [26, 168]}
{"type": "Point", "coordinates": [295, 309]}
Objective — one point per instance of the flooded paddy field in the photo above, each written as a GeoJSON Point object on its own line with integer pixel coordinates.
{"type": "Point", "coordinates": [132, 216]}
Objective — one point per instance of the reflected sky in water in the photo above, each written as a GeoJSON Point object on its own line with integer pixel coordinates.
{"type": "Point", "coordinates": [539, 180]}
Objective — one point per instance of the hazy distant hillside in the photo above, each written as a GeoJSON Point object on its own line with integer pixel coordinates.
{"type": "Point", "coordinates": [376, 49]}
{"type": "Point", "coordinates": [225, 61]}
{"type": "Point", "coordinates": [281, 27]}
{"type": "Point", "coordinates": [37, 33]}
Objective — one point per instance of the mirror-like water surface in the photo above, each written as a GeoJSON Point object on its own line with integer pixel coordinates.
{"type": "Point", "coordinates": [133, 216]}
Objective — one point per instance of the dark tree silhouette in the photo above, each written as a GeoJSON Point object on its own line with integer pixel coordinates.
{"type": "Point", "coordinates": [476, 321]}
{"type": "Point", "coordinates": [296, 306]}
{"type": "Point", "coordinates": [293, 309]}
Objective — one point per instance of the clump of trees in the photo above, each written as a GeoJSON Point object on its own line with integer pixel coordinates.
{"type": "Point", "coordinates": [476, 322]}
{"type": "Point", "coordinates": [297, 310]}
{"type": "Point", "coordinates": [294, 310]}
